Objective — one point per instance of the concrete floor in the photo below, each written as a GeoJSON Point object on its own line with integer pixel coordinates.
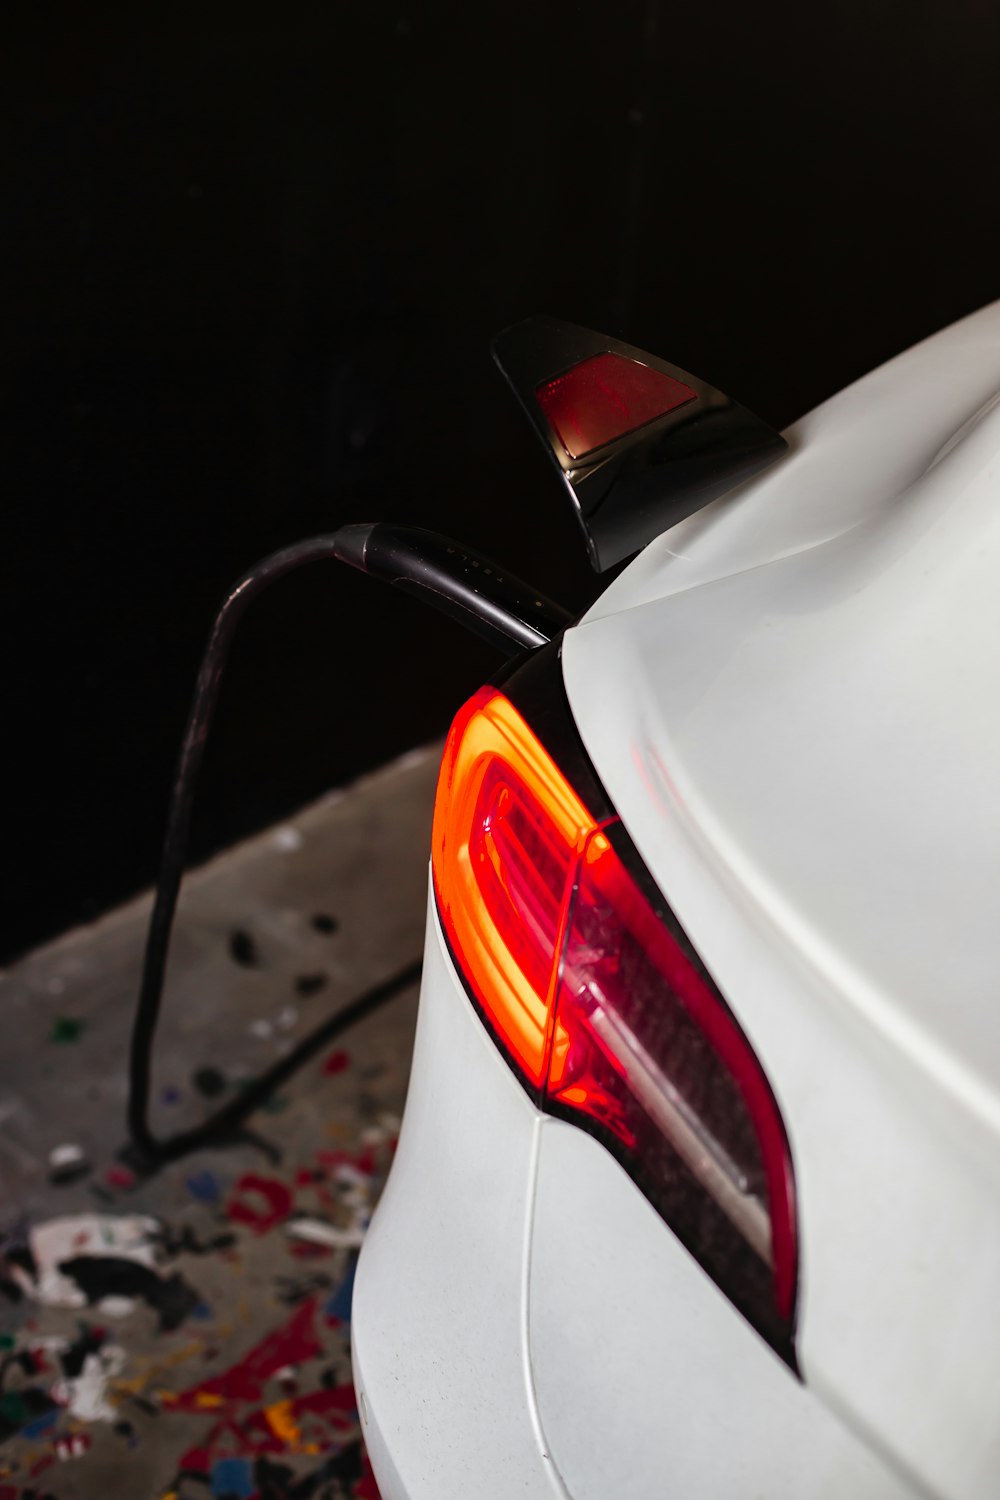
{"type": "Point", "coordinates": [186, 1334]}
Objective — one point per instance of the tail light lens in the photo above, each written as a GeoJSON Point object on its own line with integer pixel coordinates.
{"type": "Point", "coordinates": [604, 1011]}
{"type": "Point", "coordinates": [508, 828]}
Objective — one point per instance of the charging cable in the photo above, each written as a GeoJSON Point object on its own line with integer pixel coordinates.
{"type": "Point", "coordinates": [469, 587]}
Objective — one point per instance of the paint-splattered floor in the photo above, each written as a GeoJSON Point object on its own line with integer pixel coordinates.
{"type": "Point", "coordinates": [187, 1334]}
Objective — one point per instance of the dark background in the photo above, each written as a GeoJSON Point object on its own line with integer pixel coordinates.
{"type": "Point", "coordinates": [254, 263]}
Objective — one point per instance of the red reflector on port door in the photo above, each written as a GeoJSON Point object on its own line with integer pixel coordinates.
{"type": "Point", "coordinates": [604, 399]}
{"type": "Point", "coordinates": [603, 1010]}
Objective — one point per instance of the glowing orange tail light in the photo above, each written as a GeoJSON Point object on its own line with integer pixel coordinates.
{"type": "Point", "coordinates": [508, 829]}
{"type": "Point", "coordinates": [604, 1010]}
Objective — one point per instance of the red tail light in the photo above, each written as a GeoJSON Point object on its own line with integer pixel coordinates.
{"type": "Point", "coordinates": [603, 1010]}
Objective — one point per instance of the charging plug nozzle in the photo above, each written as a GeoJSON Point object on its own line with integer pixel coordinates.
{"type": "Point", "coordinates": [472, 589]}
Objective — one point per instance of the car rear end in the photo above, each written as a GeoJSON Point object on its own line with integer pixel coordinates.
{"type": "Point", "coordinates": [584, 1276]}
{"type": "Point", "coordinates": [697, 1191]}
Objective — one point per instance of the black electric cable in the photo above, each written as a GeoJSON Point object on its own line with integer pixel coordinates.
{"type": "Point", "coordinates": [150, 1148]}
{"type": "Point", "coordinates": [509, 613]}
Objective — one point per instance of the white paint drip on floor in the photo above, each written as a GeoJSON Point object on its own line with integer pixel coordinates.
{"type": "Point", "coordinates": [126, 1236]}
{"type": "Point", "coordinates": [86, 1394]}
{"type": "Point", "coordinates": [316, 1232]}
{"type": "Point", "coordinates": [66, 1155]}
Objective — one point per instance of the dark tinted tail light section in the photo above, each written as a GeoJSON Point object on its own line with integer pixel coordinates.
{"type": "Point", "coordinates": [603, 1009]}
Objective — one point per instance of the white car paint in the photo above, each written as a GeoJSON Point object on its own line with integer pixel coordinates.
{"type": "Point", "coordinates": [647, 1383]}
{"type": "Point", "coordinates": [488, 1302]}
{"type": "Point", "coordinates": [791, 700]}
{"type": "Point", "coordinates": [438, 1315]}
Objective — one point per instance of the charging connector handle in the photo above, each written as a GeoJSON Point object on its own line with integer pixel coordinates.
{"type": "Point", "coordinates": [503, 610]}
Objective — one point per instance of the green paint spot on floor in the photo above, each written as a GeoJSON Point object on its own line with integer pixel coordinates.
{"type": "Point", "coordinates": [66, 1029]}
{"type": "Point", "coordinates": [13, 1409]}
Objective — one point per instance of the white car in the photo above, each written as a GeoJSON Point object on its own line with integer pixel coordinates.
{"type": "Point", "coordinates": [698, 1188]}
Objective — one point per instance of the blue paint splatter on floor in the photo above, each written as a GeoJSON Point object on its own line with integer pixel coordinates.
{"type": "Point", "coordinates": [204, 1186]}
{"type": "Point", "coordinates": [233, 1476]}
{"type": "Point", "coordinates": [41, 1424]}
{"type": "Point", "coordinates": [338, 1304]}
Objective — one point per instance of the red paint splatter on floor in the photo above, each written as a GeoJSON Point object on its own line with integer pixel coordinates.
{"type": "Point", "coordinates": [72, 1445]}
{"type": "Point", "coordinates": [305, 1250]}
{"type": "Point", "coordinates": [259, 1202]}
{"type": "Point", "coordinates": [315, 1424]}
{"type": "Point", "coordinates": [336, 1063]}
{"type": "Point", "coordinates": [319, 1420]}
{"type": "Point", "coordinates": [290, 1345]}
